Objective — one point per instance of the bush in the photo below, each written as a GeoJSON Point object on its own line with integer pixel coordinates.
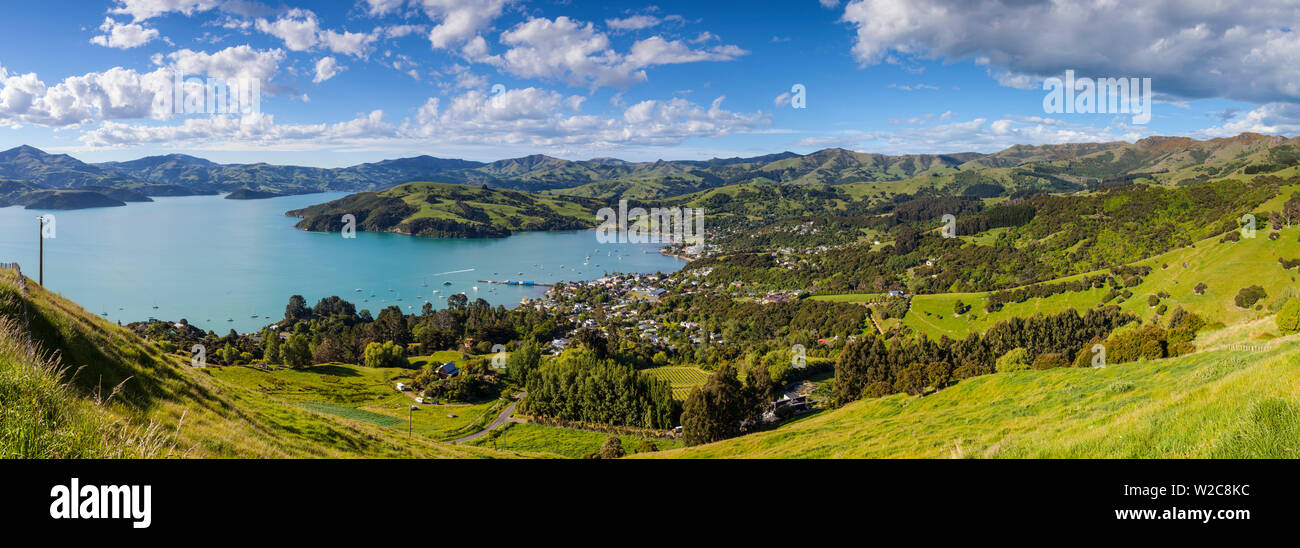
{"type": "Point", "coordinates": [612, 448]}
{"type": "Point", "coordinates": [1288, 319]}
{"type": "Point", "coordinates": [1248, 296]}
{"type": "Point", "coordinates": [388, 354]}
{"type": "Point", "coordinates": [1049, 360]}
{"type": "Point", "coordinates": [1015, 360]}
{"type": "Point", "coordinates": [1200, 288]}
{"type": "Point", "coordinates": [646, 446]}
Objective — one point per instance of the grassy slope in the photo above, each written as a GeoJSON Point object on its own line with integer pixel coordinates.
{"type": "Point", "coordinates": [1224, 267]}
{"type": "Point", "coordinates": [1221, 403]}
{"type": "Point", "coordinates": [491, 201]}
{"type": "Point", "coordinates": [173, 409]}
{"type": "Point", "coordinates": [558, 442]}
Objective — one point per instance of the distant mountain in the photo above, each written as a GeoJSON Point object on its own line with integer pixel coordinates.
{"type": "Point", "coordinates": [1021, 168]}
{"type": "Point", "coordinates": [55, 170]}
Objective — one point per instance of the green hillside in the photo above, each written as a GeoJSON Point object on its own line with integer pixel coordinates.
{"type": "Point", "coordinates": [86, 388]}
{"type": "Point", "coordinates": [1224, 267]}
{"type": "Point", "coordinates": [1217, 404]}
{"type": "Point", "coordinates": [440, 210]}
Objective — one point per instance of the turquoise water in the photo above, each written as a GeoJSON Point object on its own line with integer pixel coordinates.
{"type": "Point", "coordinates": [208, 259]}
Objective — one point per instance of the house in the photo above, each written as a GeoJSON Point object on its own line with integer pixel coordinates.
{"type": "Point", "coordinates": [447, 370]}
{"type": "Point", "coordinates": [895, 293]}
{"type": "Point", "coordinates": [402, 387]}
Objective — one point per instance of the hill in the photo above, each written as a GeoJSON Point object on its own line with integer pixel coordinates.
{"type": "Point", "coordinates": [1222, 403]}
{"type": "Point", "coordinates": [439, 210]}
{"type": "Point", "coordinates": [75, 386]}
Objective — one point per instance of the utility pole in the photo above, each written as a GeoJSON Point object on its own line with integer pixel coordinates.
{"type": "Point", "coordinates": [40, 233]}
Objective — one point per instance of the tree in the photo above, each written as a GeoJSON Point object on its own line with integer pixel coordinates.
{"type": "Point", "coordinates": [296, 309]}
{"type": "Point", "coordinates": [295, 352]}
{"type": "Point", "coordinates": [271, 346]}
{"type": "Point", "coordinates": [716, 410]}
{"type": "Point", "coordinates": [1288, 318]}
{"type": "Point", "coordinates": [912, 380]}
{"type": "Point", "coordinates": [1248, 296]}
{"type": "Point", "coordinates": [1015, 360]}
{"type": "Point", "coordinates": [387, 354]}
{"type": "Point", "coordinates": [522, 362]}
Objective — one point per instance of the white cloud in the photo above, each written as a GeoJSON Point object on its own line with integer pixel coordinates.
{"type": "Point", "coordinates": [123, 35]}
{"type": "Point", "coordinates": [829, 4]}
{"type": "Point", "coordinates": [533, 117]}
{"type": "Point", "coordinates": [1269, 119]}
{"type": "Point", "coordinates": [1236, 49]}
{"type": "Point", "coordinates": [326, 68]}
{"type": "Point", "coordinates": [976, 135]}
{"type": "Point", "coordinates": [141, 10]}
{"type": "Point", "coordinates": [231, 63]}
{"type": "Point", "coordinates": [125, 94]}
{"type": "Point", "coordinates": [635, 22]}
{"type": "Point", "coordinates": [300, 30]}
{"type": "Point", "coordinates": [574, 52]}
{"type": "Point", "coordinates": [256, 130]}
{"type": "Point", "coordinates": [383, 7]}
{"type": "Point", "coordinates": [459, 20]}
{"type": "Point", "coordinates": [782, 100]}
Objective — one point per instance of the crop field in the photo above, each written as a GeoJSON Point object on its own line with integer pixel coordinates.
{"type": "Point", "coordinates": [683, 379]}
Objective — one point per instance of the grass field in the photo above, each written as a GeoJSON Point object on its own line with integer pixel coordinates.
{"type": "Point", "coordinates": [1225, 268]}
{"type": "Point", "coordinates": [682, 378]}
{"type": "Point", "coordinates": [360, 393]}
{"type": "Point", "coordinates": [559, 442]}
{"type": "Point", "coordinates": [1219, 404]}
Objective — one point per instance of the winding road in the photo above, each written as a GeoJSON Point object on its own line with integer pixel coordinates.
{"type": "Point", "coordinates": [501, 419]}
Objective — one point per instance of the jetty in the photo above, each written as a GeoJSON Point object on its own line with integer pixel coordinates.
{"type": "Point", "coordinates": [515, 282]}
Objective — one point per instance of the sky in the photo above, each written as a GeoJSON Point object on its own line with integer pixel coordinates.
{"type": "Point", "coordinates": [342, 82]}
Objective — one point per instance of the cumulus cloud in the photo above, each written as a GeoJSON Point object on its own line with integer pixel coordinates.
{"type": "Point", "coordinates": [577, 54]}
{"type": "Point", "coordinates": [326, 68]}
{"type": "Point", "coordinates": [459, 20]}
{"type": "Point", "coordinates": [252, 130]}
{"type": "Point", "coordinates": [238, 62]}
{"type": "Point", "coordinates": [537, 118]}
{"type": "Point", "coordinates": [1237, 49]}
{"type": "Point", "coordinates": [124, 94]}
{"type": "Point", "coordinates": [301, 31]}
{"type": "Point", "coordinates": [976, 135]}
{"type": "Point", "coordinates": [141, 10]}
{"type": "Point", "coordinates": [123, 35]}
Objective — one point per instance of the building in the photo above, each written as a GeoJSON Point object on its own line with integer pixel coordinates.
{"type": "Point", "coordinates": [448, 370]}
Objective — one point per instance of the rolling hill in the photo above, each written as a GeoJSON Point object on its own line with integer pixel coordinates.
{"type": "Point", "coordinates": [1221, 403]}
{"type": "Point", "coordinates": [73, 385]}
{"type": "Point", "coordinates": [440, 210]}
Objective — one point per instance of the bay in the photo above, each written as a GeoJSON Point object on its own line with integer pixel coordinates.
{"type": "Point", "coordinates": [218, 262]}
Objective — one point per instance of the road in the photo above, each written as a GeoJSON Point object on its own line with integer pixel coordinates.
{"type": "Point", "coordinates": [500, 420]}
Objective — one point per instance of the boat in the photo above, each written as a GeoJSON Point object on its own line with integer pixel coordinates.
{"type": "Point", "coordinates": [446, 283]}
{"type": "Point", "coordinates": [358, 290]}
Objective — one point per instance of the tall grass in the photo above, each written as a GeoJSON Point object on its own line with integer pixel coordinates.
{"type": "Point", "coordinates": [43, 417]}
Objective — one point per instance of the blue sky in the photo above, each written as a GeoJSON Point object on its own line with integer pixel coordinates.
{"type": "Point", "coordinates": [351, 81]}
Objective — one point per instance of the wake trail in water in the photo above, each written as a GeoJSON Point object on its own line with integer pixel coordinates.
{"type": "Point", "coordinates": [454, 272]}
